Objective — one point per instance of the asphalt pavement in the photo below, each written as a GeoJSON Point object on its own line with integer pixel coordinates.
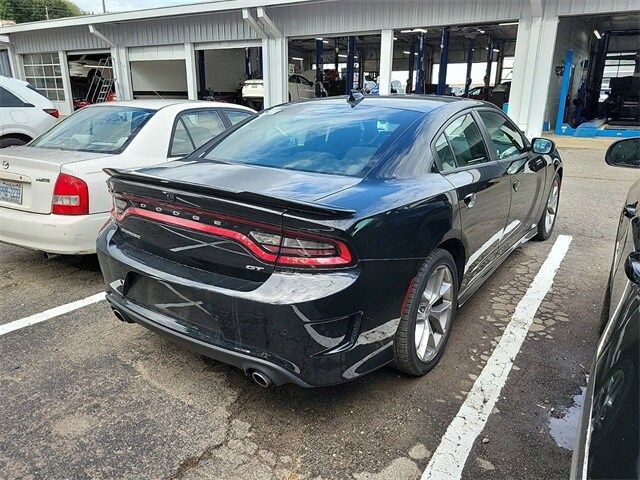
{"type": "Point", "coordinates": [84, 395]}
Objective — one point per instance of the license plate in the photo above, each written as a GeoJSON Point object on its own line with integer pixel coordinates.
{"type": "Point", "coordinates": [11, 192]}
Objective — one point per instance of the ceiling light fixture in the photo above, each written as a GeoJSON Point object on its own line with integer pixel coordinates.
{"type": "Point", "coordinates": [507, 24]}
{"type": "Point", "coordinates": [597, 34]}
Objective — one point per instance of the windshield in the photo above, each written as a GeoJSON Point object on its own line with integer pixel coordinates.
{"type": "Point", "coordinates": [314, 137]}
{"type": "Point", "coordinates": [100, 129]}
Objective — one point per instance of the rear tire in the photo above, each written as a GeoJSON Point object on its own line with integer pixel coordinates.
{"type": "Point", "coordinates": [429, 310]}
{"type": "Point", "coordinates": [12, 142]}
{"type": "Point", "coordinates": [548, 219]}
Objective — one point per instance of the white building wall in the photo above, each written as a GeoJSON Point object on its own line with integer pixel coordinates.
{"type": "Point", "coordinates": [366, 16]}
{"type": "Point", "coordinates": [299, 19]}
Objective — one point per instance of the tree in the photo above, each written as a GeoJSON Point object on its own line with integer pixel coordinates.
{"type": "Point", "coordinates": [21, 11]}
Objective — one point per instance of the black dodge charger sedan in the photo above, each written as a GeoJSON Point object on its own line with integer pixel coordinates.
{"type": "Point", "coordinates": [321, 240]}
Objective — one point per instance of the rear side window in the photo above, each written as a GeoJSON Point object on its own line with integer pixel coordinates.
{"type": "Point", "coordinates": [505, 137]}
{"type": "Point", "coordinates": [466, 141]}
{"type": "Point", "coordinates": [329, 138]}
{"type": "Point", "coordinates": [194, 129]}
{"type": "Point", "coordinates": [236, 116]}
{"type": "Point", "coordinates": [8, 99]}
{"type": "Point", "coordinates": [445, 154]}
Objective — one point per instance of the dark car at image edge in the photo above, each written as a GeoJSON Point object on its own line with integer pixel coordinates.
{"type": "Point", "coordinates": [321, 240]}
{"type": "Point", "coordinates": [608, 443]}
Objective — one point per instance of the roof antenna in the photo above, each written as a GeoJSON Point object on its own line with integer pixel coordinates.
{"type": "Point", "coordinates": [355, 98]}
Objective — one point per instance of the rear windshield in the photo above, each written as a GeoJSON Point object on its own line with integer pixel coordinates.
{"type": "Point", "coordinates": [99, 129]}
{"type": "Point", "coordinates": [316, 137]}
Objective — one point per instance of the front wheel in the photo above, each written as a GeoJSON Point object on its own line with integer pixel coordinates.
{"type": "Point", "coordinates": [429, 309]}
{"type": "Point", "coordinates": [548, 219]}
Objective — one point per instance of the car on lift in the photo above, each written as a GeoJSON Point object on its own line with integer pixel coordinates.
{"type": "Point", "coordinates": [53, 192]}
{"type": "Point", "coordinates": [24, 112]}
{"type": "Point", "coordinates": [607, 445]}
{"type": "Point", "coordinates": [300, 87]}
{"type": "Point", "coordinates": [321, 240]}
{"type": "Point", "coordinates": [87, 66]}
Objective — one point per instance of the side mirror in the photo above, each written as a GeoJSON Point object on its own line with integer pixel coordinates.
{"type": "Point", "coordinates": [632, 267]}
{"type": "Point", "coordinates": [624, 153]}
{"type": "Point", "coordinates": [543, 146]}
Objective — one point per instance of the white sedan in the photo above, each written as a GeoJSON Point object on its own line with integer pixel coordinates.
{"type": "Point", "coordinates": [299, 88]}
{"type": "Point", "coordinates": [53, 192]}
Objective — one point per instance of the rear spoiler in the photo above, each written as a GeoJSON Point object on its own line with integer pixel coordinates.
{"type": "Point", "coordinates": [247, 197]}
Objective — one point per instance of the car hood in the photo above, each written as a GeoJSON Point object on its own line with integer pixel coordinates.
{"type": "Point", "coordinates": [48, 155]}
{"type": "Point", "coordinates": [274, 182]}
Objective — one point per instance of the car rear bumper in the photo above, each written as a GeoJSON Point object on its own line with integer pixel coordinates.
{"type": "Point", "coordinates": [311, 329]}
{"type": "Point", "coordinates": [61, 234]}
{"type": "Point", "coordinates": [167, 327]}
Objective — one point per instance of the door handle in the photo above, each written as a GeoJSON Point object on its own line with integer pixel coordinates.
{"type": "Point", "coordinates": [630, 210]}
{"type": "Point", "coordinates": [470, 200]}
{"type": "Point", "coordinates": [516, 184]}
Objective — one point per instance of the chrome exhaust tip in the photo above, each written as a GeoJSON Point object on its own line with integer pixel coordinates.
{"type": "Point", "coordinates": [260, 378]}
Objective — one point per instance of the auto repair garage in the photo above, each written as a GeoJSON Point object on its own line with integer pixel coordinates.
{"type": "Point", "coordinates": [272, 48]}
{"type": "Point", "coordinates": [595, 83]}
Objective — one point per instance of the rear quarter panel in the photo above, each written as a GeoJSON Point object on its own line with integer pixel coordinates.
{"type": "Point", "coordinates": [396, 219]}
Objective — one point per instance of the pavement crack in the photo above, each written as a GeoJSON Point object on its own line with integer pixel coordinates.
{"type": "Point", "coordinates": [193, 462]}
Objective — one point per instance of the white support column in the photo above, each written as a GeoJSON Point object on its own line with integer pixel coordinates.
{"type": "Point", "coordinates": [530, 73]}
{"type": "Point", "coordinates": [275, 69]}
{"type": "Point", "coordinates": [192, 76]}
{"type": "Point", "coordinates": [122, 73]}
{"type": "Point", "coordinates": [535, 44]}
{"type": "Point", "coordinates": [66, 81]}
{"type": "Point", "coordinates": [15, 61]}
{"type": "Point", "coordinates": [519, 70]}
{"type": "Point", "coordinates": [386, 62]}
{"type": "Point", "coordinates": [542, 73]}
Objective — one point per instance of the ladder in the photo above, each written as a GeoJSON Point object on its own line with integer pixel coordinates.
{"type": "Point", "coordinates": [100, 87]}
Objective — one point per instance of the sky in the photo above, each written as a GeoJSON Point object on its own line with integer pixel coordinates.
{"type": "Point", "coordinates": [95, 6]}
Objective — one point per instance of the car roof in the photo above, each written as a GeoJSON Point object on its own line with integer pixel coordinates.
{"type": "Point", "coordinates": [157, 104]}
{"type": "Point", "coordinates": [421, 103]}
{"type": "Point", "coordinates": [12, 81]}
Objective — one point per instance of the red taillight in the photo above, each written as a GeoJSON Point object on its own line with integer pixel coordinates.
{"type": "Point", "coordinates": [70, 196]}
{"type": "Point", "coordinates": [53, 112]}
{"type": "Point", "coordinates": [304, 250]}
{"type": "Point", "coordinates": [294, 249]}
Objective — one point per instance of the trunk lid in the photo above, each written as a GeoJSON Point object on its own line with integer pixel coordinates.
{"type": "Point", "coordinates": [28, 175]}
{"type": "Point", "coordinates": [225, 232]}
{"type": "Point", "coordinates": [235, 178]}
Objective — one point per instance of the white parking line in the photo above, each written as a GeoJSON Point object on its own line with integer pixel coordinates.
{"type": "Point", "coordinates": [51, 313]}
{"type": "Point", "coordinates": [451, 455]}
